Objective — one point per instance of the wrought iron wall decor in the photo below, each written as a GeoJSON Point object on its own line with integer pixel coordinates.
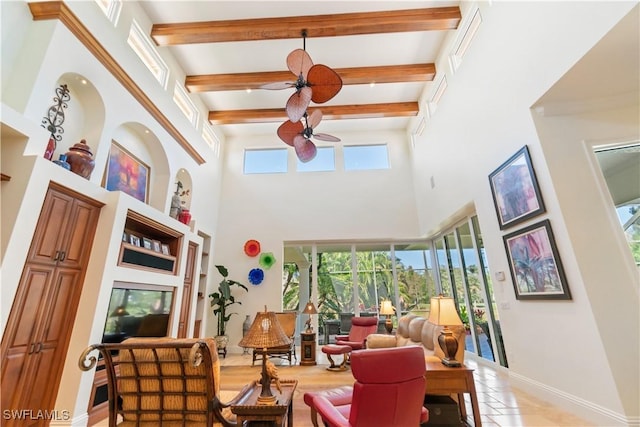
{"type": "Point", "coordinates": [54, 119]}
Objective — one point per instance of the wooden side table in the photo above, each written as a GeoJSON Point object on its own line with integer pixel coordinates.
{"type": "Point", "coordinates": [308, 348]}
{"type": "Point", "coordinates": [247, 409]}
{"type": "Point", "coordinates": [442, 379]}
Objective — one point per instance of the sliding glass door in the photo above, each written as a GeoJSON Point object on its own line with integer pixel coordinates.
{"type": "Point", "coordinates": [464, 275]}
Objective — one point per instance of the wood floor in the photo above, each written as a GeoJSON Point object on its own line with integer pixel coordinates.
{"type": "Point", "coordinates": [500, 403]}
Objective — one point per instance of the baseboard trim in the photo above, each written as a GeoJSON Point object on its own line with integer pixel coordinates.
{"type": "Point", "coordinates": [576, 405]}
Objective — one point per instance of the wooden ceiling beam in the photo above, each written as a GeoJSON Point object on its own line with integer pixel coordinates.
{"type": "Point", "coordinates": [274, 115]}
{"type": "Point", "coordinates": [350, 76]}
{"type": "Point", "coordinates": [345, 24]}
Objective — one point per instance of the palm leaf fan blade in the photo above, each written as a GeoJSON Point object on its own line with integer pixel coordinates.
{"type": "Point", "coordinates": [289, 130]}
{"type": "Point", "coordinates": [314, 118]}
{"type": "Point", "coordinates": [299, 62]}
{"type": "Point", "coordinates": [305, 149]}
{"type": "Point", "coordinates": [325, 83]}
{"type": "Point", "coordinates": [278, 85]}
{"type": "Point", "coordinates": [326, 137]}
{"type": "Point", "coordinates": [298, 103]}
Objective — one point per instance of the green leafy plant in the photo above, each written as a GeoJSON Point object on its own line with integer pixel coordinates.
{"type": "Point", "coordinates": [221, 300]}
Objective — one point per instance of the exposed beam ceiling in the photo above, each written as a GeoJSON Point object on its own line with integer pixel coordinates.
{"type": "Point", "coordinates": [346, 24]}
{"type": "Point", "coordinates": [350, 76]}
{"type": "Point", "coordinates": [399, 109]}
{"type": "Point", "coordinates": [332, 25]}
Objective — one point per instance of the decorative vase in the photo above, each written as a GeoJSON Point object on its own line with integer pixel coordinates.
{"type": "Point", "coordinates": [51, 147]}
{"type": "Point", "coordinates": [245, 328]}
{"type": "Point", "coordinates": [62, 162]}
{"type": "Point", "coordinates": [81, 160]}
{"type": "Point", "coordinates": [185, 216]}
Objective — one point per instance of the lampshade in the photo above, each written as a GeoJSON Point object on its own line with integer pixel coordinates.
{"type": "Point", "coordinates": [443, 312]}
{"type": "Point", "coordinates": [386, 308]}
{"type": "Point", "coordinates": [310, 308]}
{"type": "Point", "coordinates": [265, 332]}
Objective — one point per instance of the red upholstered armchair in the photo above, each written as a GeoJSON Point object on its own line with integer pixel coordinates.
{"type": "Point", "coordinates": [361, 328]}
{"type": "Point", "coordinates": [389, 391]}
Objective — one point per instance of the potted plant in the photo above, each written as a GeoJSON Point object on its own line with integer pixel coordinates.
{"type": "Point", "coordinates": [220, 302]}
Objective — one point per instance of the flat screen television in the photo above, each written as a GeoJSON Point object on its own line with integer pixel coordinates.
{"type": "Point", "coordinates": [138, 311]}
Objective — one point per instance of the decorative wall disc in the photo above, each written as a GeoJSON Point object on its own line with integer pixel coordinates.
{"type": "Point", "coordinates": [256, 276]}
{"type": "Point", "coordinates": [267, 260]}
{"type": "Point", "coordinates": [252, 248]}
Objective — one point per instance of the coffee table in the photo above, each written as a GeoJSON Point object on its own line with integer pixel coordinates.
{"type": "Point", "coordinates": [442, 379]}
{"type": "Point", "coordinates": [247, 410]}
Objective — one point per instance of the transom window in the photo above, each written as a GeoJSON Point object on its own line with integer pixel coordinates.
{"type": "Point", "coordinates": [265, 161]}
{"type": "Point", "coordinates": [143, 47]}
{"type": "Point", "coordinates": [362, 157]}
{"type": "Point", "coordinates": [324, 161]}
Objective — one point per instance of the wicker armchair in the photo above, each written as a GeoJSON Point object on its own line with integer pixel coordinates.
{"type": "Point", "coordinates": [162, 381]}
{"type": "Point", "coordinates": [287, 320]}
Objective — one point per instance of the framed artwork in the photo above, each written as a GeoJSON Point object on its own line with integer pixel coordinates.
{"type": "Point", "coordinates": [146, 243]}
{"type": "Point", "coordinates": [156, 245]}
{"type": "Point", "coordinates": [134, 240]}
{"type": "Point", "coordinates": [165, 249]}
{"type": "Point", "coordinates": [515, 190]}
{"type": "Point", "coordinates": [536, 269]}
{"type": "Point", "coordinates": [126, 173]}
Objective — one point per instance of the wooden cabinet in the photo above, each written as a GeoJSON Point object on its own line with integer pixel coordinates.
{"type": "Point", "coordinates": [187, 290]}
{"type": "Point", "coordinates": [308, 348]}
{"type": "Point", "coordinates": [163, 258]}
{"type": "Point", "coordinates": [36, 337]}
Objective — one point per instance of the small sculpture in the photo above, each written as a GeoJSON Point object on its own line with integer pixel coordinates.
{"type": "Point", "coordinates": [272, 372]}
{"type": "Point", "coordinates": [175, 210]}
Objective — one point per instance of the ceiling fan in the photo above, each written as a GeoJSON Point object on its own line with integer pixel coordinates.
{"type": "Point", "coordinates": [317, 83]}
{"type": "Point", "coordinates": [299, 135]}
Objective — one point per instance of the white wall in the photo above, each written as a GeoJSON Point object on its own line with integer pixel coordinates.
{"type": "Point", "coordinates": [520, 51]}
{"type": "Point", "coordinates": [307, 206]}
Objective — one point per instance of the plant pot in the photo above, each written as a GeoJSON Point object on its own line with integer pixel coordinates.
{"type": "Point", "coordinates": [221, 341]}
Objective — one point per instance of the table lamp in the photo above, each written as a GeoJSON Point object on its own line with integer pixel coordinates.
{"type": "Point", "coordinates": [443, 313]}
{"type": "Point", "coordinates": [386, 309]}
{"type": "Point", "coordinates": [309, 309]}
{"type": "Point", "coordinates": [265, 332]}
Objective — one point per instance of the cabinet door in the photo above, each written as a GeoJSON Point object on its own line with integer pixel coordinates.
{"type": "Point", "coordinates": [187, 290]}
{"type": "Point", "coordinates": [19, 340]}
{"type": "Point", "coordinates": [54, 217]}
{"type": "Point", "coordinates": [52, 339]}
{"type": "Point", "coordinates": [78, 238]}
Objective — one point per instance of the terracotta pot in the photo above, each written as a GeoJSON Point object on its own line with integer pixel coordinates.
{"type": "Point", "coordinates": [81, 160]}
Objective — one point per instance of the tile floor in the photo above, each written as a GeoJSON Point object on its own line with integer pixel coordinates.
{"type": "Point", "coordinates": [506, 406]}
{"type": "Point", "coordinates": [501, 405]}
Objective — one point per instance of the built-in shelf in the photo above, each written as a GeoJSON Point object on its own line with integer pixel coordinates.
{"type": "Point", "coordinates": [163, 245]}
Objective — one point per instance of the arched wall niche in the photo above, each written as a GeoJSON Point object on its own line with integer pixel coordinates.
{"type": "Point", "coordinates": [84, 115]}
{"type": "Point", "coordinates": [136, 139]}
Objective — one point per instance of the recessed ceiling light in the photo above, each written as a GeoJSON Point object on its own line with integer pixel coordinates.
{"type": "Point", "coordinates": [248, 90]}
